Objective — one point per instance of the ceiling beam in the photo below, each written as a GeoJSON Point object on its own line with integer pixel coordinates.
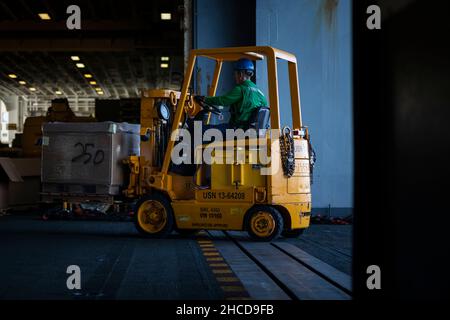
{"type": "Point", "coordinates": [86, 45]}
{"type": "Point", "coordinates": [86, 26]}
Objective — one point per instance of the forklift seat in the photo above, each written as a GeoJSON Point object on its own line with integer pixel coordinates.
{"type": "Point", "coordinates": [260, 120]}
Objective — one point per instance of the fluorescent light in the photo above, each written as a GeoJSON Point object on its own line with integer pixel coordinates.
{"type": "Point", "coordinates": [58, 92]}
{"type": "Point", "coordinates": [93, 82]}
{"type": "Point", "coordinates": [164, 65]}
{"type": "Point", "coordinates": [164, 58]}
{"type": "Point", "coordinates": [88, 75]}
{"type": "Point", "coordinates": [44, 16]}
{"type": "Point", "coordinates": [32, 89]}
{"type": "Point", "coordinates": [80, 65]}
{"type": "Point", "coordinates": [98, 89]}
{"type": "Point", "coordinates": [166, 16]}
{"type": "Point", "coordinates": [75, 58]}
{"type": "Point", "coordinates": [100, 92]}
{"type": "Point", "coordinates": [12, 76]}
{"type": "Point", "coordinates": [22, 82]}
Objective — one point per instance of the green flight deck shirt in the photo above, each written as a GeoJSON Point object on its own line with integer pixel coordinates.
{"type": "Point", "coordinates": [242, 99]}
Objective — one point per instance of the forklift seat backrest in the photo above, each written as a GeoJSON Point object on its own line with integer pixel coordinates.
{"type": "Point", "coordinates": [260, 120]}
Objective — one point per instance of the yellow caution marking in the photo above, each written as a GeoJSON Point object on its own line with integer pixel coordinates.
{"type": "Point", "coordinates": [232, 288]}
{"type": "Point", "coordinates": [209, 249]}
{"type": "Point", "coordinates": [227, 279]}
{"type": "Point", "coordinates": [230, 284]}
{"type": "Point", "coordinates": [215, 265]}
{"type": "Point", "coordinates": [214, 259]}
{"type": "Point", "coordinates": [221, 271]}
{"type": "Point", "coordinates": [210, 254]}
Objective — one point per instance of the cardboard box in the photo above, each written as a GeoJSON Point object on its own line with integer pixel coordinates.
{"type": "Point", "coordinates": [20, 183]}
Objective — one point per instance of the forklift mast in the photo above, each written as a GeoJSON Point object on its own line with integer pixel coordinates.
{"type": "Point", "coordinates": [221, 55]}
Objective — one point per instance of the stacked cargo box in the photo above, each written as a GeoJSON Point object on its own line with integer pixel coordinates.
{"type": "Point", "coordinates": [87, 158]}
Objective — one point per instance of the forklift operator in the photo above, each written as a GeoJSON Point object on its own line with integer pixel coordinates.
{"type": "Point", "coordinates": [243, 99]}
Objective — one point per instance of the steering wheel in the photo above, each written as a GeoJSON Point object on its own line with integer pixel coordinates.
{"type": "Point", "coordinates": [211, 108]}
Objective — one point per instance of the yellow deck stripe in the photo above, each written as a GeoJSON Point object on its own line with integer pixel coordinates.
{"type": "Point", "coordinates": [209, 249]}
{"type": "Point", "coordinates": [227, 279]}
{"type": "Point", "coordinates": [232, 288]}
{"type": "Point", "coordinates": [214, 259]}
{"type": "Point", "coordinates": [221, 271]}
{"type": "Point", "coordinates": [218, 265]}
{"type": "Point", "coordinates": [211, 253]}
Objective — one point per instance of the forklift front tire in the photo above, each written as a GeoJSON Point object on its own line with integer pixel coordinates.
{"type": "Point", "coordinates": [263, 223]}
{"type": "Point", "coordinates": [154, 216]}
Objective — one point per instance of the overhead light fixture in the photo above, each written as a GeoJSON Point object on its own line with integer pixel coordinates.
{"type": "Point", "coordinates": [164, 58]}
{"type": "Point", "coordinates": [100, 92]}
{"type": "Point", "coordinates": [88, 75]}
{"type": "Point", "coordinates": [166, 16]}
{"type": "Point", "coordinates": [32, 89]}
{"type": "Point", "coordinates": [75, 58]}
{"type": "Point", "coordinates": [44, 16]}
{"type": "Point", "coordinates": [12, 76]}
{"type": "Point", "coordinates": [98, 89]}
{"type": "Point", "coordinates": [22, 82]}
{"type": "Point", "coordinates": [164, 65]}
{"type": "Point", "coordinates": [80, 65]}
{"type": "Point", "coordinates": [58, 92]}
{"type": "Point", "coordinates": [93, 82]}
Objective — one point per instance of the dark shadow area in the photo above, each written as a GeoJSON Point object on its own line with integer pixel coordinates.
{"type": "Point", "coordinates": [402, 96]}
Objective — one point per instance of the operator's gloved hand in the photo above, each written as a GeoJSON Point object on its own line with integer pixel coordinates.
{"type": "Point", "coordinates": [199, 99]}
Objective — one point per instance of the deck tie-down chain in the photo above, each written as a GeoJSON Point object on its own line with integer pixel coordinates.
{"type": "Point", "coordinates": [312, 159]}
{"type": "Point", "coordinates": [287, 151]}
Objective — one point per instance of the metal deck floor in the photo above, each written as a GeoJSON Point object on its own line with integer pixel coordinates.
{"type": "Point", "coordinates": [116, 263]}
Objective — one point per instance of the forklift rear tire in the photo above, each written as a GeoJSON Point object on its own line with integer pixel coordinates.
{"type": "Point", "coordinates": [154, 216]}
{"type": "Point", "coordinates": [295, 233]}
{"type": "Point", "coordinates": [263, 223]}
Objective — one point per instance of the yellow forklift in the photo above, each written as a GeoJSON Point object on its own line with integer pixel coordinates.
{"type": "Point", "coordinates": [227, 194]}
